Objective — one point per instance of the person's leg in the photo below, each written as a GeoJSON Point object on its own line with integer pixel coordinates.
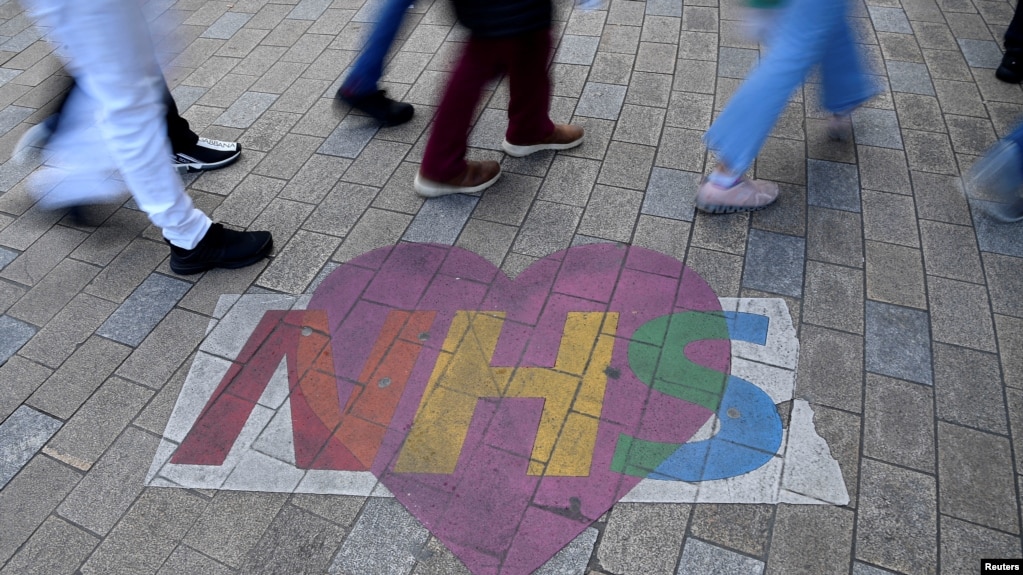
{"type": "Point", "coordinates": [530, 128]}
{"type": "Point", "coordinates": [119, 76]}
{"type": "Point", "coordinates": [805, 30]}
{"type": "Point", "coordinates": [444, 169]}
{"type": "Point", "coordinates": [1011, 68]}
{"type": "Point", "coordinates": [360, 87]}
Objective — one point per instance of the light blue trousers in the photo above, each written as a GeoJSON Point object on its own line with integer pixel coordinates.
{"type": "Point", "coordinates": [810, 32]}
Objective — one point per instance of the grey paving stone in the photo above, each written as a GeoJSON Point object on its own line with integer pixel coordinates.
{"type": "Point", "coordinates": [377, 162]}
{"type": "Point", "coordinates": [889, 20]}
{"type": "Point", "coordinates": [964, 544]}
{"type": "Point", "coordinates": [143, 309]}
{"type": "Point", "coordinates": [385, 540]}
{"type": "Point", "coordinates": [166, 347]}
{"type": "Point", "coordinates": [295, 266]}
{"type": "Point", "coordinates": [834, 236]}
{"type": "Point", "coordinates": [13, 335]}
{"type": "Point", "coordinates": [112, 485]}
{"type": "Point", "coordinates": [951, 251]}
{"type": "Point", "coordinates": [230, 527]}
{"type": "Point", "coordinates": [975, 478]}
{"type": "Point", "coordinates": [909, 77]}
{"type": "Point", "coordinates": [441, 219]}
{"type": "Point", "coordinates": [20, 378]}
{"type": "Point", "coordinates": [833, 297]}
{"type": "Point", "coordinates": [185, 561]}
{"type": "Point", "coordinates": [864, 569]}
{"type": "Point", "coordinates": [723, 272]}
{"type": "Point", "coordinates": [833, 185]}
{"type": "Point", "coordinates": [576, 49]}
{"type": "Point", "coordinates": [745, 528]}
{"type": "Point", "coordinates": [627, 165]}
{"type": "Point", "coordinates": [940, 198]}
{"type": "Point", "coordinates": [895, 274]}
{"type": "Point", "coordinates": [898, 342]}
{"type": "Point", "coordinates": [226, 26]}
{"type": "Point", "coordinates": [69, 387]}
{"type": "Point", "coordinates": [664, 8]}
{"type": "Point", "coordinates": [29, 498]}
{"type": "Point", "coordinates": [611, 214]}
{"type": "Point", "coordinates": [774, 263]}
{"type": "Point", "coordinates": [830, 368]}
{"type": "Point", "coordinates": [573, 558]}
{"type": "Point", "coordinates": [810, 539]}
{"type": "Point", "coordinates": [548, 228]}
{"type": "Point", "coordinates": [736, 62]}
{"type": "Point", "coordinates": [960, 314]}
{"type": "Point", "coordinates": [1005, 284]}
{"type": "Point", "coordinates": [21, 436]}
{"type": "Point", "coordinates": [980, 404]}
{"type": "Point", "coordinates": [95, 426]}
{"type": "Point", "coordinates": [643, 539]}
{"type": "Point", "coordinates": [44, 253]}
{"type": "Point", "coordinates": [1010, 346]}
{"type": "Point", "coordinates": [56, 547]}
{"type": "Point", "coordinates": [703, 558]}
{"type": "Point", "coordinates": [893, 411]}
{"type": "Point", "coordinates": [148, 533]}
{"type": "Point", "coordinates": [309, 9]}
{"type": "Point", "coordinates": [601, 101]}
{"type": "Point", "coordinates": [671, 194]}
{"type": "Point", "coordinates": [681, 149]}
{"type": "Point", "coordinates": [995, 236]}
{"type": "Point", "coordinates": [890, 218]}
{"type": "Point", "coordinates": [981, 53]}
{"type": "Point", "coordinates": [295, 541]}
{"type": "Point", "coordinates": [873, 127]}
{"type": "Point", "coordinates": [246, 109]}
{"type": "Point", "coordinates": [640, 125]}
{"type": "Point", "coordinates": [436, 559]}
{"type": "Point", "coordinates": [897, 519]}
{"type": "Point", "coordinates": [6, 256]}
{"type": "Point", "coordinates": [883, 170]}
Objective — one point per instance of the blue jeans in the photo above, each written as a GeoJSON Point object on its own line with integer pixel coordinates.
{"type": "Point", "coordinates": [810, 32]}
{"type": "Point", "coordinates": [365, 74]}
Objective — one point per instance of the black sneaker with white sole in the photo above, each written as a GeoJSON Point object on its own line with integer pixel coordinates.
{"type": "Point", "coordinates": [207, 154]}
{"type": "Point", "coordinates": [221, 248]}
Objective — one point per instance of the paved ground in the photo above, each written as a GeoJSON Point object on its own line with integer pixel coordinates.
{"type": "Point", "coordinates": [149, 424]}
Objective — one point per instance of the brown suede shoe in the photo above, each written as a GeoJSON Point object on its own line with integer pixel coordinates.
{"type": "Point", "coordinates": [563, 137]}
{"type": "Point", "coordinates": [477, 177]}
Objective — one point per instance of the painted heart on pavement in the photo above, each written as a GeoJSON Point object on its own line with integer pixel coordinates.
{"type": "Point", "coordinates": [521, 420]}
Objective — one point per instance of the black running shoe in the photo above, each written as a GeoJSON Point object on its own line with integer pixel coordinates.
{"type": "Point", "coordinates": [207, 154]}
{"type": "Point", "coordinates": [221, 248]}
{"type": "Point", "coordinates": [1011, 69]}
{"type": "Point", "coordinates": [385, 110]}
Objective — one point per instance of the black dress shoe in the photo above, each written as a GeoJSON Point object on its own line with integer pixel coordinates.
{"type": "Point", "coordinates": [1011, 69]}
{"type": "Point", "coordinates": [385, 110]}
{"type": "Point", "coordinates": [221, 248]}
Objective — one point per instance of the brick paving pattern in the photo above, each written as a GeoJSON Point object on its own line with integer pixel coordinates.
{"type": "Point", "coordinates": [905, 298]}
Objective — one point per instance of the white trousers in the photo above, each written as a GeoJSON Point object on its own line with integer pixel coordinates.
{"type": "Point", "coordinates": [115, 122]}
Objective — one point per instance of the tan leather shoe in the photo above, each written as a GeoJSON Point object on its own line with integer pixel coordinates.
{"type": "Point", "coordinates": [563, 137]}
{"type": "Point", "coordinates": [476, 177]}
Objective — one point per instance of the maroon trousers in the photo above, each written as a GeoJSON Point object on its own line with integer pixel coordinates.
{"type": "Point", "coordinates": [524, 58]}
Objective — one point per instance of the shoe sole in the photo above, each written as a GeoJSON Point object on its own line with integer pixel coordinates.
{"type": "Point", "coordinates": [190, 270]}
{"type": "Point", "coordinates": [428, 189]}
{"type": "Point", "coordinates": [193, 167]}
{"type": "Point", "coordinates": [523, 151]}
{"type": "Point", "coordinates": [340, 104]}
{"type": "Point", "coordinates": [723, 209]}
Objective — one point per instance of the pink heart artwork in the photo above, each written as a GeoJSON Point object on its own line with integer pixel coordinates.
{"type": "Point", "coordinates": [506, 415]}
